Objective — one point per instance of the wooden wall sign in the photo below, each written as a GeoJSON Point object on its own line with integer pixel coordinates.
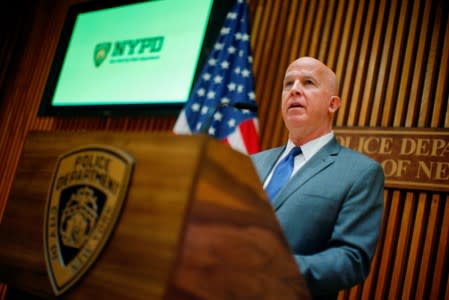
{"type": "Point", "coordinates": [412, 158]}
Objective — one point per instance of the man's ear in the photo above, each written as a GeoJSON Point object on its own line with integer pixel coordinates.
{"type": "Point", "coordinates": [334, 104]}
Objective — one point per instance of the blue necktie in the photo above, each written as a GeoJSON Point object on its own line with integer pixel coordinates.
{"type": "Point", "coordinates": [282, 173]}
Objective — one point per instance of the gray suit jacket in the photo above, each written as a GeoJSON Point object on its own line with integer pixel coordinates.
{"type": "Point", "coordinates": [331, 213]}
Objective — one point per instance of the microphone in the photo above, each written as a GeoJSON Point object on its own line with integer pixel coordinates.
{"type": "Point", "coordinates": [245, 105]}
{"type": "Point", "coordinates": [237, 105]}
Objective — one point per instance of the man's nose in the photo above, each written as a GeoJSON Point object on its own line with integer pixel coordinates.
{"type": "Point", "coordinates": [296, 87]}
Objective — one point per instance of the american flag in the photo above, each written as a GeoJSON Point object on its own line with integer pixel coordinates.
{"type": "Point", "coordinates": [223, 103]}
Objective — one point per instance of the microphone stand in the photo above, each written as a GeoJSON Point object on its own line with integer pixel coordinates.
{"type": "Point", "coordinates": [238, 105]}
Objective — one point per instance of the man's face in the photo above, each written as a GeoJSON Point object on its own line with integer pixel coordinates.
{"type": "Point", "coordinates": [308, 99]}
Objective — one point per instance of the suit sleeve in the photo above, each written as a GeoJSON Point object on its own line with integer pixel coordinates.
{"type": "Point", "coordinates": [346, 260]}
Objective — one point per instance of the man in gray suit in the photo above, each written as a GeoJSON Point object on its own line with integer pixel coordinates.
{"type": "Point", "coordinates": [331, 206]}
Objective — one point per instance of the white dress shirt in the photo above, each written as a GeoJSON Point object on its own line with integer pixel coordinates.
{"type": "Point", "coordinates": [308, 150]}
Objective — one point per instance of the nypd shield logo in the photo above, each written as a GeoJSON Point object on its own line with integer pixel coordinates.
{"type": "Point", "coordinates": [85, 199]}
{"type": "Point", "coordinates": [101, 52]}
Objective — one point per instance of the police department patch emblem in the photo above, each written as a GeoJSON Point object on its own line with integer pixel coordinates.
{"type": "Point", "coordinates": [101, 52]}
{"type": "Point", "coordinates": [84, 202]}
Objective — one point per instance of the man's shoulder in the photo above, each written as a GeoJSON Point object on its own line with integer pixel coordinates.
{"type": "Point", "coordinates": [267, 153]}
{"type": "Point", "coordinates": [357, 157]}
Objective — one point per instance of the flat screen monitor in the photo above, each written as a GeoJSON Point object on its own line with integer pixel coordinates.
{"type": "Point", "coordinates": [130, 57]}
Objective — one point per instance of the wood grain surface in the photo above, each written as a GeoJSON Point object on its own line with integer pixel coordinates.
{"type": "Point", "coordinates": [244, 254]}
{"type": "Point", "coordinates": [137, 259]}
{"type": "Point", "coordinates": [195, 224]}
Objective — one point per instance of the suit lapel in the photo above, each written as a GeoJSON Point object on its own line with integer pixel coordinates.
{"type": "Point", "coordinates": [269, 162]}
{"type": "Point", "coordinates": [321, 160]}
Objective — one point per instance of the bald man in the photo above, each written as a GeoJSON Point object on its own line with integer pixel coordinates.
{"type": "Point", "coordinates": [330, 203]}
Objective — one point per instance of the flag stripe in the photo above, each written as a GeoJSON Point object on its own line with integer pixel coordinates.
{"type": "Point", "coordinates": [250, 128]}
{"type": "Point", "coordinates": [181, 125]}
{"type": "Point", "coordinates": [235, 140]}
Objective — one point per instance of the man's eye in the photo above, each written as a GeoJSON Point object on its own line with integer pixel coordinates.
{"type": "Point", "coordinates": [309, 82]}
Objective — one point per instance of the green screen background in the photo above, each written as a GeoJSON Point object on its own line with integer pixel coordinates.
{"type": "Point", "coordinates": [161, 77]}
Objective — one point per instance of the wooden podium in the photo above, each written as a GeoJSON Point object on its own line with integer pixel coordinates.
{"type": "Point", "coordinates": [194, 224]}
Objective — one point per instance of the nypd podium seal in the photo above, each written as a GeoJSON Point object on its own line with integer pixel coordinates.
{"type": "Point", "coordinates": [85, 199]}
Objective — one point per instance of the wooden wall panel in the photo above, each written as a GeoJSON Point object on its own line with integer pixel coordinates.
{"type": "Point", "coordinates": [389, 55]}
{"type": "Point", "coordinates": [392, 60]}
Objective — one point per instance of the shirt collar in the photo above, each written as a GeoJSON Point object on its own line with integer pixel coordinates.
{"type": "Point", "coordinates": [311, 148]}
